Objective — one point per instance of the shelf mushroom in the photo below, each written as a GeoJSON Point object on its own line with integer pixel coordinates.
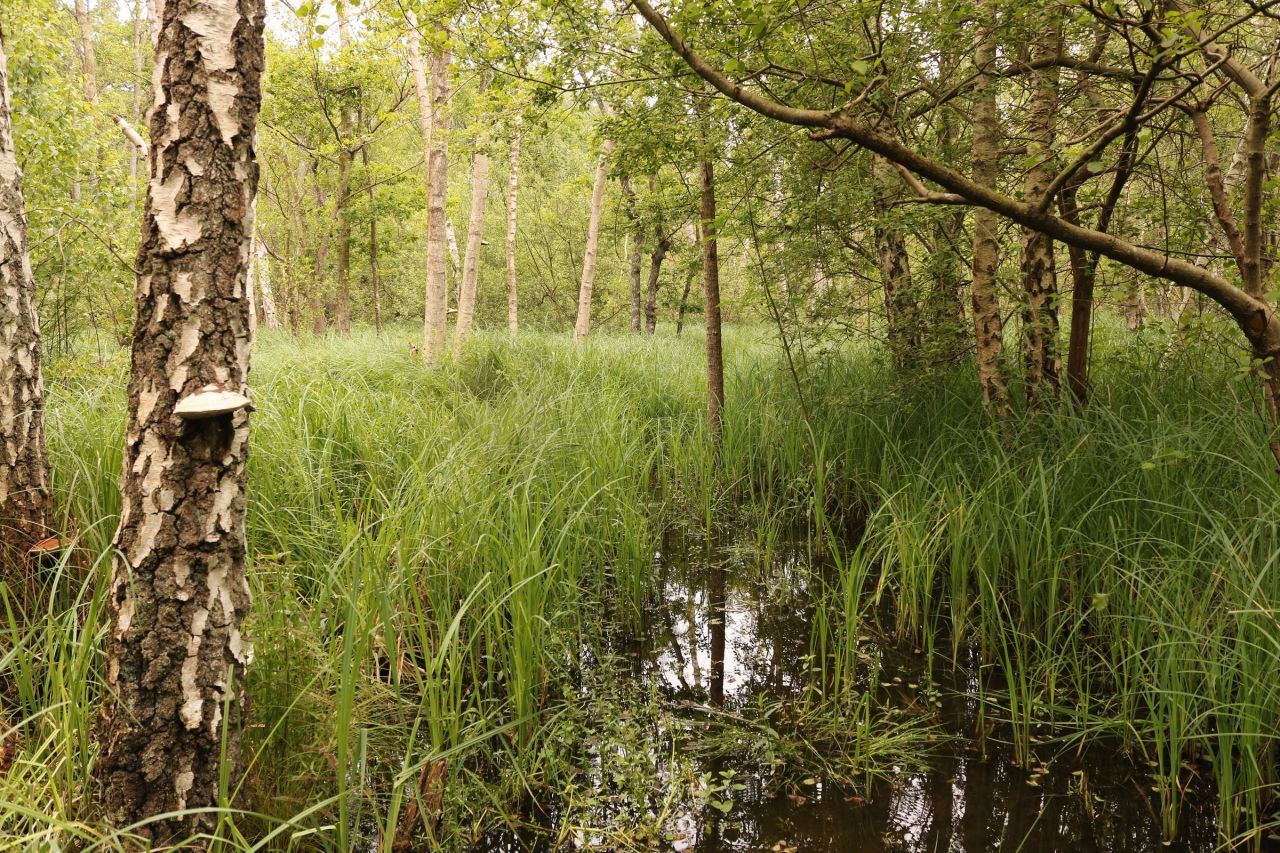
{"type": "Point", "coordinates": [210, 402]}
{"type": "Point", "coordinates": [48, 547]}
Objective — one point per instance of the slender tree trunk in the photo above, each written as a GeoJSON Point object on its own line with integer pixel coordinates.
{"type": "Point", "coordinates": [1040, 357]}
{"type": "Point", "coordinates": [24, 464]}
{"type": "Point", "coordinates": [684, 299]}
{"type": "Point", "coordinates": [88, 71]}
{"type": "Point", "coordinates": [322, 308]}
{"type": "Point", "coordinates": [583, 325]}
{"type": "Point", "coordinates": [513, 186]}
{"type": "Point", "coordinates": [135, 113]}
{"type": "Point", "coordinates": [987, 326]}
{"type": "Point", "coordinates": [262, 268]}
{"type": "Point", "coordinates": [88, 57]}
{"type": "Point", "coordinates": [375, 281]}
{"type": "Point", "coordinates": [944, 336]}
{"type": "Point", "coordinates": [435, 323]}
{"type": "Point", "coordinates": [661, 245]}
{"type": "Point", "coordinates": [944, 316]}
{"type": "Point", "coordinates": [342, 199]}
{"type": "Point", "coordinates": [902, 311]}
{"type": "Point", "coordinates": [637, 250]}
{"type": "Point", "coordinates": [342, 264]}
{"type": "Point", "coordinates": [475, 242]}
{"type": "Point", "coordinates": [1083, 279]}
{"type": "Point", "coordinates": [175, 655]}
{"type": "Point", "coordinates": [455, 257]}
{"type": "Point", "coordinates": [711, 300]}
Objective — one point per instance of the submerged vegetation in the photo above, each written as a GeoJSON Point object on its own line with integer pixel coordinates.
{"type": "Point", "coordinates": [452, 568]}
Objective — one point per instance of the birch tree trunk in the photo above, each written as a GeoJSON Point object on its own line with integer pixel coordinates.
{"type": "Point", "coordinates": [711, 301]}
{"type": "Point", "coordinates": [88, 68]}
{"type": "Point", "coordinates": [24, 464]}
{"type": "Point", "coordinates": [582, 327]}
{"type": "Point", "coordinates": [262, 268]}
{"type": "Point", "coordinates": [513, 187]}
{"type": "Point", "coordinates": [902, 311]}
{"type": "Point", "coordinates": [136, 155]}
{"type": "Point", "coordinates": [661, 245]}
{"type": "Point", "coordinates": [475, 234]}
{"type": "Point", "coordinates": [322, 307]}
{"type": "Point", "coordinates": [684, 299]}
{"type": "Point", "coordinates": [987, 326]}
{"type": "Point", "coordinates": [1040, 356]}
{"type": "Point", "coordinates": [342, 259]}
{"type": "Point", "coordinates": [435, 323]}
{"type": "Point", "coordinates": [175, 655]}
{"type": "Point", "coordinates": [637, 250]}
{"type": "Point", "coordinates": [342, 199]}
{"type": "Point", "coordinates": [451, 235]}
{"type": "Point", "coordinates": [375, 281]}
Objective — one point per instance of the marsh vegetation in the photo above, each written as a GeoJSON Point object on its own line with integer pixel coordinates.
{"type": "Point", "coordinates": [863, 436]}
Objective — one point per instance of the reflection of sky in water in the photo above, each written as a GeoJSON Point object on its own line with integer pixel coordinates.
{"type": "Point", "coordinates": [689, 665]}
{"type": "Point", "coordinates": [961, 804]}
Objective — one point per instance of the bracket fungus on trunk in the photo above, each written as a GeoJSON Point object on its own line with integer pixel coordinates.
{"type": "Point", "coordinates": [211, 401]}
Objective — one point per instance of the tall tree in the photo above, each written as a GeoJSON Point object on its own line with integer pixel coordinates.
{"type": "Point", "coordinates": [513, 188]}
{"type": "Point", "coordinates": [1040, 351]}
{"type": "Point", "coordinates": [987, 325]}
{"type": "Point", "coordinates": [375, 277]}
{"type": "Point", "coordinates": [175, 655]}
{"type": "Point", "coordinates": [637, 248]}
{"type": "Point", "coordinates": [711, 299]}
{"type": "Point", "coordinates": [587, 283]}
{"type": "Point", "coordinates": [435, 324]}
{"type": "Point", "coordinates": [661, 245]}
{"type": "Point", "coordinates": [902, 309]}
{"type": "Point", "coordinates": [433, 103]}
{"type": "Point", "coordinates": [342, 196]}
{"type": "Point", "coordinates": [88, 64]}
{"type": "Point", "coordinates": [475, 243]}
{"type": "Point", "coordinates": [24, 465]}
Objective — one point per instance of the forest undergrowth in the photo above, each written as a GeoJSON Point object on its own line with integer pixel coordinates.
{"type": "Point", "coordinates": [441, 556]}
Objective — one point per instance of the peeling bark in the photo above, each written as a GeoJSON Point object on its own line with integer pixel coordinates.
{"type": "Point", "coordinates": [175, 655]}
{"type": "Point", "coordinates": [24, 464]}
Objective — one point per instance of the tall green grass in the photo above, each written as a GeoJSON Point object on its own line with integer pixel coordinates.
{"type": "Point", "coordinates": [436, 553]}
{"type": "Point", "coordinates": [1115, 567]}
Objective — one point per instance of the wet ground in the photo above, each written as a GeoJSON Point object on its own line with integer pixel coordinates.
{"type": "Point", "coordinates": [729, 636]}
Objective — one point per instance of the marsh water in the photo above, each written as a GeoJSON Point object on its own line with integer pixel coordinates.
{"type": "Point", "coordinates": [728, 637]}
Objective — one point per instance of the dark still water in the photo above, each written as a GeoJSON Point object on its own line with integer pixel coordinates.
{"type": "Point", "coordinates": [727, 637]}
